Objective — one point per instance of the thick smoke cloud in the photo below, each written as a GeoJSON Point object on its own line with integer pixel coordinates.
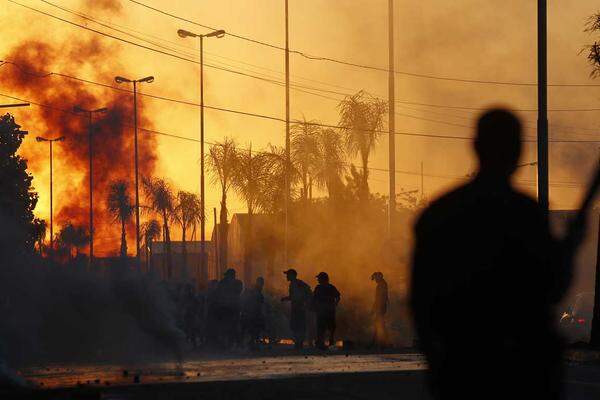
{"type": "Point", "coordinates": [112, 138]}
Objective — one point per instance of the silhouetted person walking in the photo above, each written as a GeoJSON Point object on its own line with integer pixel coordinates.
{"type": "Point", "coordinates": [380, 306]}
{"type": "Point", "coordinates": [486, 276]}
{"type": "Point", "coordinates": [299, 296]}
{"type": "Point", "coordinates": [325, 301]}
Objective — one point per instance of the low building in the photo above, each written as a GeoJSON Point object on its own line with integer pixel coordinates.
{"type": "Point", "coordinates": [186, 265]}
{"type": "Point", "coordinates": [267, 249]}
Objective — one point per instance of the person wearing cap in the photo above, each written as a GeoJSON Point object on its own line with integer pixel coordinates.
{"type": "Point", "coordinates": [379, 309]}
{"type": "Point", "coordinates": [325, 301]}
{"type": "Point", "coordinates": [299, 296]}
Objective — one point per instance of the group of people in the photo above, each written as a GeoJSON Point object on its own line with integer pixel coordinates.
{"type": "Point", "coordinates": [323, 301]}
{"type": "Point", "coordinates": [228, 315]}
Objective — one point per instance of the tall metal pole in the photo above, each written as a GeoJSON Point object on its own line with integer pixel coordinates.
{"type": "Point", "coordinates": [137, 190]}
{"type": "Point", "coordinates": [422, 183]}
{"type": "Point", "coordinates": [216, 244]}
{"type": "Point", "coordinates": [392, 121]}
{"type": "Point", "coordinates": [287, 138]}
{"type": "Point", "coordinates": [51, 206]}
{"type": "Point", "coordinates": [542, 122]}
{"type": "Point", "coordinates": [202, 202]}
{"type": "Point", "coordinates": [595, 332]}
{"type": "Point", "coordinates": [90, 156]}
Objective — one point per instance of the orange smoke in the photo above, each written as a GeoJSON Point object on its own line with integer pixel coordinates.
{"type": "Point", "coordinates": [113, 138]}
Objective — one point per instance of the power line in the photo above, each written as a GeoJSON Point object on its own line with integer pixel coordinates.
{"type": "Point", "coordinates": [273, 81]}
{"type": "Point", "coordinates": [170, 135]}
{"type": "Point", "coordinates": [357, 65]}
{"type": "Point", "coordinates": [112, 25]}
{"type": "Point", "coordinates": [273, 118]}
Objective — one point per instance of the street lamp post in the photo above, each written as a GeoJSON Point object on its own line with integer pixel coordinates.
{"type": "Point", "coordinates": [14, 105]}
{"type": "Point", "coordinates": [90, 113]}
{"type": "Point", "coordinates": [50, 141]}
{"type": "Point", "coordinates": [148, 79]}
{"type": "Point", "coordinates": [218, 34]}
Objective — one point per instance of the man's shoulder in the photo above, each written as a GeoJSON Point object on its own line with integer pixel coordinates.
{"type": "Point", "coordinates": [300, 283]}
{"type": "Point", "coordinates": [443, 205]}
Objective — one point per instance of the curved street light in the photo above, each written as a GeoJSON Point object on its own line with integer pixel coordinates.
{"type": "Point", "coordinates": [218, 34]}
{"type": "Point", "coordinates": [50, 142]}
{"type": "Point", "coordinates": [89, 114]}
{"type": "Point", "coordinates": [148, 79]}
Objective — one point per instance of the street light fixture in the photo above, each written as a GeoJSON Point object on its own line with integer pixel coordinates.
{"type": "Point", "coordinates": [218, 34]}
{"type": "Point", "coordinates": [14, 105]}
{"type": "Point", "coordinates": [148, 79]}
{"type": "Point", "coordinates": [50, 141]}
{"type": "Point", "coordinates": [89, 113]}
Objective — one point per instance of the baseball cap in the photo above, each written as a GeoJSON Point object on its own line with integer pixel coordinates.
{"type": "Point", "coordinates": [290, 271]}
{"type": "Point", "coordinates": [323, 275]}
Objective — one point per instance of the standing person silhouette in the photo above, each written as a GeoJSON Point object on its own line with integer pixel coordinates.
{"type": "Point", "coordinates": [299, 297]}
{"type": "Point", "coordinates": [486, 276]}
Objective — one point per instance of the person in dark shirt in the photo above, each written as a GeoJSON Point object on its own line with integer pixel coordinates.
{"type": "Point", "coordinates": [299, 297]}
{"type": "Point", "coordinates": [380, 306]}
{"type": "Point", "coordinates": [325, 301]}
{"type": "Point", "coordinates": [253, 317]}
{"type": "Point", "coordinates": [486, 276]}
{"type": "Point", "coordinates": [228, 294]}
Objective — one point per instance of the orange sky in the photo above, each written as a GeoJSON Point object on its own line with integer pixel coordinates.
{"type": "Point", "coordinates": [471, 39]}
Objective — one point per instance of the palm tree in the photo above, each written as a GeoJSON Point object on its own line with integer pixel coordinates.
{"type": "Point", "coordinates": [150, 232]}
{"type": "Point", "coordinates": [272, 196]}
{"type": "Point", "coordinates": [221, 163]}
{"type": "Point", "coordinates": [330, 162]}
{"type": "Point", "coordinates": [250, 180]}
{"type": "Point", "coordinates": [121, 208]}
{"type": "Point", "coordinates": [39, 233]}
{"type": "Point", "coordinates": [593, 50]}
{"type": "Point", "coordinates": [361, 120]}
{"type": "Point", "coordinates": [187, 212]}
{"type": "Point", "coordinates": [304, 151]}
{"type": "Point", "coordinates": [73, 237]}
{"type": "Point", "coordinates": [159, 197]}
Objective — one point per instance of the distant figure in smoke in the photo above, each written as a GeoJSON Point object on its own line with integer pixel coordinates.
{"type": "Point", "coordinates": [211, 320]}
{"type": "Point", "coordinates": [253, 316]}
{"type": "Point", "coordinates": [228, 294]}
{"type": "Point", "coordinates": [192, 314]}
{"type": "Point", "coordinates": [486, 276]}
{"type": "Point", "coordinates": [380, 306]}
{"type": "Point", "coordinates": [325, 301]}
{"type": "Point", "coordinates": [299, 296]}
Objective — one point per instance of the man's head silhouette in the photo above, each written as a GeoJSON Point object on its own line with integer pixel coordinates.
{"type": "Point", "coordinates": [498, 143]}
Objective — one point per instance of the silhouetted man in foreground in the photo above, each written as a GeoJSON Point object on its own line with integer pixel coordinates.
{"type": "Point", "coordinates": [299, 296]}
{"type": "Point", "coordinates": [486, 276]}
{"type": "Point", "coordinates": [325, 301]}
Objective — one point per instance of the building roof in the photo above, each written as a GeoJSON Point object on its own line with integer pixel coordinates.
{"type": "Point", "coordinates": [192, 247]}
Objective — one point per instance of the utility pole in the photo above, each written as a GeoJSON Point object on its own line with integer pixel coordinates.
{"type": "Point", "coordinates": [80, 110]}
{"type": "Point", "coordinates": [216, 244]}
{"type": "Point", "coordinates": [287, 139]}
{"type": "Point", "coordinates": [392, 120]}
{"type": "Point", "coordinates": [595, 334]}
{"type": "Point", "coordinates": [422, 185]}
{"type": "Point", "coordinates": [50, 142]}
{"type": "Point", "coordinates": [542, 122]}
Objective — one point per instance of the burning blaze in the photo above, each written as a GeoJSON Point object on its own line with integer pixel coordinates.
{"type": "Point", "coordinates": [113, 136]}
